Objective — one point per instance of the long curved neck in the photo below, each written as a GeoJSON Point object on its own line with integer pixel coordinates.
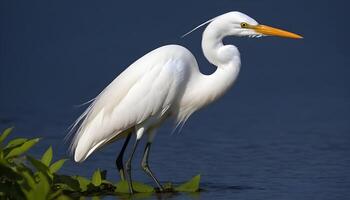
{"type": "Point", "coordinates": [204, 89]}
{"type": "Point", "coordinates": [225, 57]}
{"type": "Point", "coordinates": [215, 51]}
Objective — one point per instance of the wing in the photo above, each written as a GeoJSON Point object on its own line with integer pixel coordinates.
{"type": "Point", "coordinates": [147, 88]}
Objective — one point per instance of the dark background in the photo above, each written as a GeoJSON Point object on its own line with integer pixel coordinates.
{"type": "Point", "coordinates": [282, 132]}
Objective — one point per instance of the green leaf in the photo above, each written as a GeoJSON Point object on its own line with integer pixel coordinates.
{"type": "Point", "coordinates": [41, 190]}
{"type": "Point", "coordinates": [69, 183]}
{"type": "Point", "coordinates": [122, 187]}
{"type": "Point", "coordinates": [83, 182]}
{"type": "Point", "coordinates": [16, 142]}
{"type": "Point", "coordinates": [44, 187]}
{"type": "Point", "coordinates": [13, 144]}
{"type": "Point", "coordinates": [28, 177]}
{"type": "Point", "coordinates": [57, 165]}
{"type": "Point", "coordinates": [96, 178]}
{"type": "Point", "coordinates": [107, 182]}
{"type": "Point", "coordinates": [64, 186]}
{"type": "Point", "coordinates": [23, 148]}
{"type": "Point", "coordinates": [190, 186]}
{"type": "Point", "coordinates": [47, 157]}
{"type": "Point", "coordinates": [41, 167]}
{"type": "Point", "coordinates": [4, 134]}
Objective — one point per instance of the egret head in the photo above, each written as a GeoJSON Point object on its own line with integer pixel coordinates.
{"type": "Point", "coordinates": [239, 24]}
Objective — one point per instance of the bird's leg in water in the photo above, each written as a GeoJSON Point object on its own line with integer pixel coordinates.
{"type": "Point", "coordinates": [128, 167]}
{"type": "Point", "coordinates": [139, 134]}
{"type": "Point", "coordinates": [145, 165]}
{"type": "Point", "coordinates": [119, 160]}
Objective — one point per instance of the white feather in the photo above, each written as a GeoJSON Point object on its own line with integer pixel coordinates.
{"type": "Point", "coordinates": [165, 82]}
{"type": "Point", "coordinates": [138, 93]}
{"type": "Point", "coordinates": [197, 27]}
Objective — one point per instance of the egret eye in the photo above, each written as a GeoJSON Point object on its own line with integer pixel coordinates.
{"type": "Point", "coordinates": [244, 25]}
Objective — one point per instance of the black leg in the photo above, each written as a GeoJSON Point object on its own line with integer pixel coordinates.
{"type": "Point", "coordinates": [128, 166]}
{"type": "Point", "coordinates": [119, 160]}
{"type": "Point", "coordinates": [145, 165]}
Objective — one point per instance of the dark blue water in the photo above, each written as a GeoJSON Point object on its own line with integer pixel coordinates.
{"type": "Point", "coordinates": [282, 132]}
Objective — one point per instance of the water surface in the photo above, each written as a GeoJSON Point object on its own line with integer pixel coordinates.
{"type": "Point", "coordinates": [282, 132]}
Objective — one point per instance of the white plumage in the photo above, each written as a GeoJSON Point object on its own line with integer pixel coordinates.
{"type": "Point", "coordinates": [148, 87]}
{"type": "Point", "coordinates": [165, 83]}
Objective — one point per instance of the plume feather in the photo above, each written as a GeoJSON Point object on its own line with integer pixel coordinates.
{"type": "Point", "coordinates": [197, 27]}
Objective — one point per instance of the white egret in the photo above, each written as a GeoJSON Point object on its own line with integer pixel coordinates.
{"type": "Point", "coordinates": [165, 83]}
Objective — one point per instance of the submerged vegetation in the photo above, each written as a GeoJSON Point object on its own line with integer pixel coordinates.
{"type": "Point", "coordinates": [24, 177]}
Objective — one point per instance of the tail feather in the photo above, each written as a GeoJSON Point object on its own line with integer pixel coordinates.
{"type": "Point", "coordinates": [77, 129]}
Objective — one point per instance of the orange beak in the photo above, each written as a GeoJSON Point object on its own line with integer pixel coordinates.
{"type": "Point", "coordinates": [267, 30]}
